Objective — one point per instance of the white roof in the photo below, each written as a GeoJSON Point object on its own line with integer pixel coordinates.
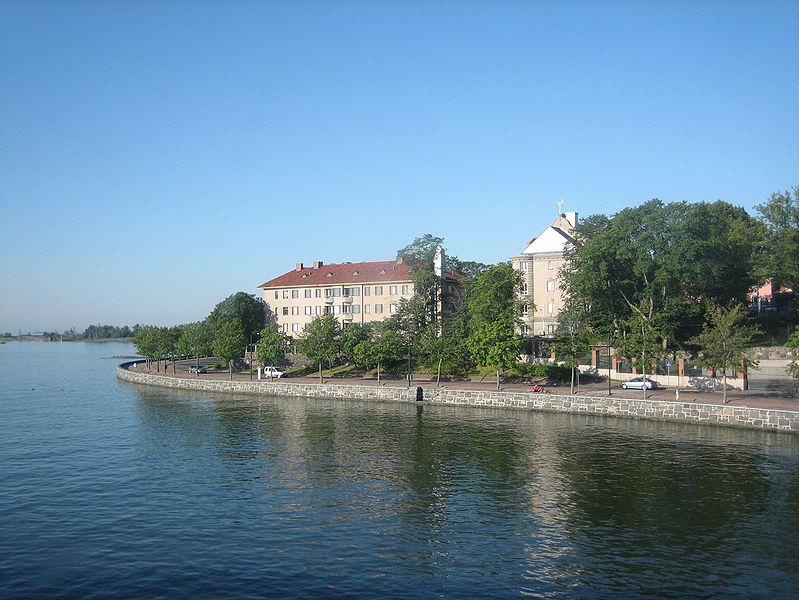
{"type": "Point", "coordinates": [554, 238]}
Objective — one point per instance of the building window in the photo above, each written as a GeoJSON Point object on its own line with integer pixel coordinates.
{"type": "Point", "coordinates": [378, 290]}
{"type": "Point", "coordinates": [318, 292]}
{"type": "Point", "coordinates": [328, 310]}
{"type": "Point", "coordinates": [284, 328]}
{"type": "Point", "coordinates": [550, 265]}
{"type": "Point", "coordinates": [308, 292]}
{"type": "Point", "coordinates": [551, 308]}
{"type": "Point", "coordinates": [337, 292]}
{"type": "Point", "coordinates": [295, 294]}
{"type": "Point", "coordinates": [356, 309]}
{"type": "Point", "coordinates": [285, 311]}
{"type": "Point", "coordinates": [295, 327]}
{"type": "Point", "coordinates": [524, 330]}
{"type": "Point", "coordinates": [523, 287]}
{"type": "Point", "coordinates": [525, 309]}
{"type": "Point", "coordinates": [318, 310]}
{"type": "Point", "coordinates": [328, 292]}
{"type": "Point", "coordinates": [524, 267]}
{"type": "Point", "coordinates": [367, 291]}
{"type": "Point", "coordinates": [551, 285]}
{"type": "Point", "coordinates": [551, 329]}
{"type": "Point", "coordinates": [392, 308]}
{"type": "Point", "coordinates": [353, 291]}
{"type": "Point", "coordinates": [295, 310]}
{"type": "Point", "coordinates": [392, 290]}
{"type": "Point", "coordinates": [285, 293]}
{"type": "Point", "coordinates": [309, 310]}
{"type": "Point", "coordinates": [378, 309]}
{"type": "Point", "coordinates": [406, 289]}
{"type": "Point", "coordinates": [367, 309]}
{"type": "Point", "coordinates": [347, 309]}
{"type": "Point", "coordinates": [276, 294]}
{"type": "Point", "coordinates": [336, 309]}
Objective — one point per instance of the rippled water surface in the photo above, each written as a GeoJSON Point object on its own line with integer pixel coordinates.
{"type": "Point", "coordinates": [115, 490]}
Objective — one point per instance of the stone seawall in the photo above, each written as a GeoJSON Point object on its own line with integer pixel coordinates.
{"type": "Point", "coordinates": [716, 414]}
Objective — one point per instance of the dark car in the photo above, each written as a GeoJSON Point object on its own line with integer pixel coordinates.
{"type": "Point", "coordinates": [196, 369]}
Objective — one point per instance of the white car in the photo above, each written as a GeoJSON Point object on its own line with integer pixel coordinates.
{"type": "Point", "coordinates": [273, 372]}
{"type": "Point", "coordinates": [637, 383]}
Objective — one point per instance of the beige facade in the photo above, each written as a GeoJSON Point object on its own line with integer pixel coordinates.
{"type": "Point", "coordinates": [539, 265]}
{"type": "Point", "coordinates": [351, 292]}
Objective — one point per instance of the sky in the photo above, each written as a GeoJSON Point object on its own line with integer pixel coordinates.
{"type": "Point", "coordinates": [156, 157]}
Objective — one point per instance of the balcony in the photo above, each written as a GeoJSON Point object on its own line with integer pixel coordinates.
{"type": "Point", "coordinates": [347, 299]}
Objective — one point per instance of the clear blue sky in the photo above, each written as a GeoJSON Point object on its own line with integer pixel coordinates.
{"type": "Point", "coordinates": [156, 157]}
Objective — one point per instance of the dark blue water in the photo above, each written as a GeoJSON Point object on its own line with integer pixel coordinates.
{"type": "Point", "coordinates": [109, 489]}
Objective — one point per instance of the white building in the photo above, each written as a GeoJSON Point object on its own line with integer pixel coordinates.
{"type": "Point", "coordinates": [539, 265]}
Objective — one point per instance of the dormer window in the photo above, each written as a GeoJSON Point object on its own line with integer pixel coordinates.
{"type": "Point", "coordinates": [382, 271]}
{"type": "Point", "coordinates": [355, 272]}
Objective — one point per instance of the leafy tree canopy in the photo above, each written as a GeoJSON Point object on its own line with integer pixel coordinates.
{"type": "Point", "coordinates": [780, 260]}
{"type": "Point", "coordinates": [246, 309]}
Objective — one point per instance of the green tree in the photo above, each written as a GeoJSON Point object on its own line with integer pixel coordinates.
{"type": "Point", "coordinates": [146, 342]}
{"type": "Point", "coordinates": [245, 309]}
{"type": "Point", "coordinates": [351, 336]}
{"type": "Point", "coordinates": [319, 341]}
{"type": "Point", "coordinates": [724, 338]}
{"type": "Point", "coordinates": [780, 260]}
{"type": "Point", "coordinates": [793, 342]}
{"type": "Point", "coordinates": [273, 346]}
{"type": "Point", "coordinates": [494, 310]}
{"type": "Point", "coordinates": [196, 339]}
{"type": "Point", "coordinates": [646, 270]}
{"type": "Point", "coordinates": [229, 342]}
{"type": "Point", "coordinates": [384, 346]}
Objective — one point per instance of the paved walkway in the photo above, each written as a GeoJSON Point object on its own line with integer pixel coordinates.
{"type": "Point", "coordinates": [752, 398]}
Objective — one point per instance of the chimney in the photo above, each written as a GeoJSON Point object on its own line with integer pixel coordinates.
{"type": "Point", "coordinates": [298, 267]}
{"type": "Point", "coordinates": [317, 264]}
{"type": "Point", "coordinates": [399, 260]}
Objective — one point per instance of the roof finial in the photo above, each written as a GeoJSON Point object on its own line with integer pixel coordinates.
{"type": "Point", "coordinates": [561, 202]}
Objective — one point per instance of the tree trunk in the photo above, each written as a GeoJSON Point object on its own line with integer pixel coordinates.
{"type": "Point", "coordinates": [643, 369]}
{"type": "Point", "coordinates": [724, 384]}
{"type": "Point", "coordinates": [438, 377]}
{"type": "Point", "coordinates": [571, 388]}
{"type": "Point", "coordinates": [320, 372]}
{"type": "Point", "coordinates": [230, 368]}
{"type": "Point", "coordinates": [378, 374]}
{"type": "Point", "coordinates": [497, 379]}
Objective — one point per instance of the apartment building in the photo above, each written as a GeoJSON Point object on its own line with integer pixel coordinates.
{"type": "Point", "coordinates": [539, 265]}
{"type": "Point", "coordinates": [361, 292]}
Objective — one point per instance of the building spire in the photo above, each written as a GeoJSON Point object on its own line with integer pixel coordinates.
{"type": "Point", "coordinates": [561, 202]}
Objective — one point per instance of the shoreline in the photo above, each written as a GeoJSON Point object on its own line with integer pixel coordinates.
{"type": "Point", "coordinates": [763, 419]}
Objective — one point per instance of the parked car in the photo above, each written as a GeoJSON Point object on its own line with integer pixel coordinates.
{"type": "Point", "coordinates": [196, 369]}
{"type": "Point", "coordinates": [637, 383]}
{"type": "Point", "coordinates": [273, 372]}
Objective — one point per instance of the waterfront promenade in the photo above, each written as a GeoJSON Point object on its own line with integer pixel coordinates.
{"type": "Point", "coordinates": [751, 398]}
{"type": "Point", "coordinates": [775, 416]}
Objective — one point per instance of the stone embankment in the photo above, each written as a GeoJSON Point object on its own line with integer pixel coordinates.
{"type": "Point", "coordinates": [686, 412]}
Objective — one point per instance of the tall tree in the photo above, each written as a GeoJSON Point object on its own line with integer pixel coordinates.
{"type": "Point", "coordinates": [493, 314]}
{"type": "Point", "coordinates": [725, 338]}
{"type": "Point", "coordinates": [245, 309]}
{"type": "Point", "coordinates": [780, 216]}
{"type": "Point", "coordinates": [319, 341]}
{"type": "Point", "coordinates": [196, 339]}
{"type": "Point", "coordinates": [384, 346]}
{"type": "Point", "coordinates": [229, 342]}
{"type": "Point", "coordinates": [273, 346]}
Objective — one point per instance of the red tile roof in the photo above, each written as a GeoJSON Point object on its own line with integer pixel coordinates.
{"type": "Point", "coordinates": [343, 273]}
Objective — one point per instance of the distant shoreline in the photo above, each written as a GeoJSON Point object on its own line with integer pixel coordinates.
{"type": "Point", "coordinates": [44, 338]}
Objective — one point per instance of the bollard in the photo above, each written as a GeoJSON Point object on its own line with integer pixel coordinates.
{"type": "Point", "coordinates": [419, 394]}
